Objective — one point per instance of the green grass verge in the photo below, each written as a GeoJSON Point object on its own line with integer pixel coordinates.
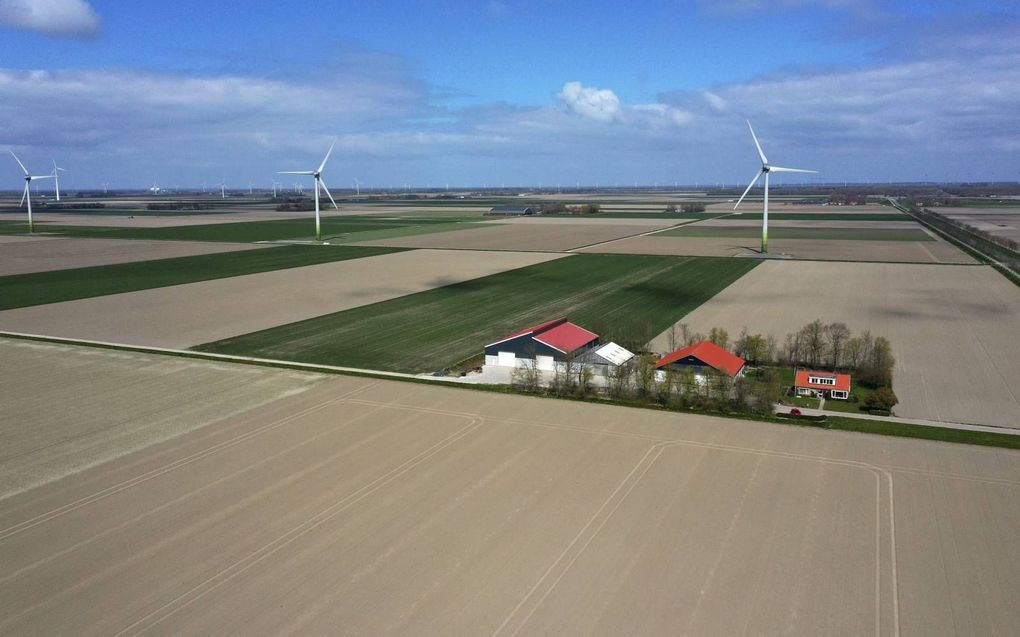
{"type": "Point", "coordinates": [242, 232]}
{"type": "Point", "coordinates": [890, 428]}
{"type": "Point", "coordinates": [819, 234]}
{"type": "Point", "coordinates": [616, 296]}
{"type": "Point", "coordinates": [37, 288]}
{"type": "Point", "coordinates": [774, 216]}
{"type": "Point", "coordinates": [405, 231]}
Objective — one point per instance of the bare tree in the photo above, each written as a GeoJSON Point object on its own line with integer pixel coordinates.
{"type": "Point", "coordinates": [836, 334]}
{"type": "Point", "coordinates": [852, 352]}
{"type": "Point", "coordinates": [526, 377]}
{"type": "Point", "coordinates": [813, 336]}
{"type": "Point", "coordinates": [673, 338]}
{"type": "Point", "coordinates": [720, 337]}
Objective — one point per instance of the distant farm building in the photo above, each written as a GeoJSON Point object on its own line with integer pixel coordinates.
{"type": "Point", "coordinates": [546, 344]}
{"type": "Point", "coordinates": [828, 384]}
{"type": "Point", "coordinates": [510, 211]}
{"type": "Point", "coordinates": [702, 358]}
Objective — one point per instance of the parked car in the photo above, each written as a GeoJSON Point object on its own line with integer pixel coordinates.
{"type": "Point", "coordinates": [795, 412]}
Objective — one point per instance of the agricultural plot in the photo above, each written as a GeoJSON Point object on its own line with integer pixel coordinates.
{"type": "Point", "coordinates": [623, 298]}
{"type": "Point", "coordinates": [824, 233]}
{"type": "Point", "coordinates": [38, 288]}
{"type": "Point", "coordinates": [180, 316]}
{"type": "Point", "coordinates": [389, 507]}
{"type": "Point", "coordinates": [61, 253]}
{"type": "Point", "coordinates": [542, 237]}
{"type": "Point", "coordinates": [936, 251]}
{"type": "Point", "coordinates": [106, 217]}
{"type": "Point", "coordinates": [287, 229]}
{"type": "Point", "coordinates": [999, 221]}
{"type": "Point", "coordinates": [953, 329]}
{"type": "Point", "coordinates": [68, 408]}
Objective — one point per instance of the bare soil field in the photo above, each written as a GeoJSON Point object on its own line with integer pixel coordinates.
{"type": "Point", "coordinates": [587, 220]}
{"type": "Point", "coordinates": [69, 408]}
{"type": "Point", "coordinates": [997, 221]}
{"type": "Point", "coordinates": [539, 237]}
{"type": "Point", "coordinates": [737, 222]}
{"type": "Point", "coordinates": [384, 507]}
{"type": "Point", "coordinates": [63, 253]}
{"type": "Point", "coordinates": [181, 316]}
{"type": "Point", "coordinates": [953, 329]}
{"type": "Point", "coordinates": [19, 238]}
{"type": "Point", "coordinates": [937, 251]}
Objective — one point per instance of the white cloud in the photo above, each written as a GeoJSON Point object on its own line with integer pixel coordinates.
{"type": "Point", "coordinates": [65, 18]}
{"type": "Point", "coordinates": [598, 104]}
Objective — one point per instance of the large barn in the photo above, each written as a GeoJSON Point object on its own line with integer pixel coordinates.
{"type": "Point", "coordinates": [546, 344]}
{"type": "Point", "coordinates": [703, 358]}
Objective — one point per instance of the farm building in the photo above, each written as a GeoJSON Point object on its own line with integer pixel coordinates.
{"type": "Point", "coordinates": [703, 358]}
{"type": "Point", "coordinates": [829, 384]}
{"type": "Point", "coordinates": [603, 359]}
{"type": "Point", "coordinates": [510, 211]}
{"type": "Point", "coordinates": [546, 344]}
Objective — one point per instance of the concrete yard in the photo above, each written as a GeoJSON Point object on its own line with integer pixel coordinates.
{"type": "Point", "coordinates": [182, 316]}
{"type": "Point", "coordinates": [375, 507]}
{"type": "Point", "coordinates": [541, 236]}
{"type": "Point", "coordinates": [34, 255]}
{"type": "Point", "coordinates": [953, 329]}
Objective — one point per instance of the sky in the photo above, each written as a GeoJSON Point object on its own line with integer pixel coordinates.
{"type": "Point", "coordinates": [505, 92]}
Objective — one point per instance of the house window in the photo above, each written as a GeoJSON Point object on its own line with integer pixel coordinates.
{"type": "Point", "coordinates": [821, 380]}
{"type": "Point", "coordinates": [836, 393]}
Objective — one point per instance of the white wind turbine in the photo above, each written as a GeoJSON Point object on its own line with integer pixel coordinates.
{"type": "Point", "coordinates": [766, 168]}
{"type": "Point", "coordinates": [56, 178]}
{"type": "Point", "coordinates": [27, 196]}
{"type": "Point", "coordinates": [357, 186]}
{"type": "Point", "coordinates": [319, 183]}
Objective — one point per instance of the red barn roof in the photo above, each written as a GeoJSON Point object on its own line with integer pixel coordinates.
{"type": "Point", "coordinates": [566, 337]}
{"type": "Point", "coordinates": [558, 333]}
{"type": "Point", "coordinates": [842, 380]}
{"type": "Point", "coordinates": [708, 353]}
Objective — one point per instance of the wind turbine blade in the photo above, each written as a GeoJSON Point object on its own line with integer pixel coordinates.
{"type": "Point", "coordinates": [24, 193]}
{"type": "Point", "coordinates": [780, 169]}
{"type": "Point", "coordinates": [295, 172]}
{"type": "Point", "coordinates": [18, 160]}
{"type": "Point", "coordinates": [749, 186]}
{"type": "Point", "coordinates": [34, 177]}
{"type": "Point", "coordinates": [326, 158]}
{"type": "Point", "coordinates": [761, 153]}
{"type": "Point", "coordinates": [323, 184]}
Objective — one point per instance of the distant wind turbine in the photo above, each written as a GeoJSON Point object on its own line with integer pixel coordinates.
{"type": "Point", "coordinates": [27, 196]}
{"type": "Point", "coordinates": [56, 178]}
{"type": "Point", "coordinates": [766, 168]}
{"type": "Point", "coordinates": [357, 186]}
{"type": "Point", "coordinates": [319, 183]}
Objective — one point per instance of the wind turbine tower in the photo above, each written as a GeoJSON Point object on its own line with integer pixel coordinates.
{"type": "Point", "coordinates": [56, 178]}
{"type": "Point", "coordinates": [766, 168]}
{"type": "Point", "coordinates": [319, 184]}
{"type": "Point", "coordinates": [29, 178]}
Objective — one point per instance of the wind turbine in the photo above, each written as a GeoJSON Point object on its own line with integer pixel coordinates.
{"type": "Point", "coordinates": [766, 168]}
{"type": "Point", "coordinates": [29, 178]}
{"type": "Point", "coordinates": [357, 186]}
{"type": "Point", "coordinates": [319, 183]}
{"type": "Point", "coordinates": [223, 188]}
{"type": "Point", "coordinates": [56, 178]}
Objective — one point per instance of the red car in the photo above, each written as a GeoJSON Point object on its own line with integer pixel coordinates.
{"type": "Point", "coordinates": [794, 412]}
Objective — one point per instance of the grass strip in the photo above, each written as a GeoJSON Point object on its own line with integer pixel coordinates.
{"type": "Point", "coordinates": [626, 298]}
{"type": "Point", "coordinates": [818, 234]}
{"type": "Point", "coordinates": [37, 288]}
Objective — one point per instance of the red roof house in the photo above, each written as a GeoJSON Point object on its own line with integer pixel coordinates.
{"type": "Point", "coordinates": [699, 356]}
{"type": "Point", "coordinates": [833, 384]}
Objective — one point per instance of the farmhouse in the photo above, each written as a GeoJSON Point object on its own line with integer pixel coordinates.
{"type": "Point", "coordinates": [703, 358]}
{"type": "Point", "coordinates": [829, 384]}
{"type": "Point", "coordinates": [546, 344]}
{"type": "Point", "coordinates": [510, 211]}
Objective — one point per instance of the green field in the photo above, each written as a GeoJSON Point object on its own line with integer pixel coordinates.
{"type": "Point", "coordinates": [37, 288]}
{"type": "Point", "coordinates": [243, 232]}
{"type": "Point", "coordinates": [820, 234]}
{"type": "Point", "coordinates": [725, 213]}
{"type": "Point", "coordinates": [625, 298]}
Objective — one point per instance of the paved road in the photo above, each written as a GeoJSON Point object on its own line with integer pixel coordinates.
{"type": "Point", "coordinates": [906, 421]}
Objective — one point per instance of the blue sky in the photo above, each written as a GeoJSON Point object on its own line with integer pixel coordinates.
{"type": "Point", "coordinates": [497, 92]}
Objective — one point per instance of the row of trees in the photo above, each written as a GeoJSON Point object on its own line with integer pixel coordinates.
{"type": "Point", "coordinates": [637, 381]}
{"type": "Point", "coordinates": [1005, 242]}
{"type": "Point", "coordinates": [563, 209]}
